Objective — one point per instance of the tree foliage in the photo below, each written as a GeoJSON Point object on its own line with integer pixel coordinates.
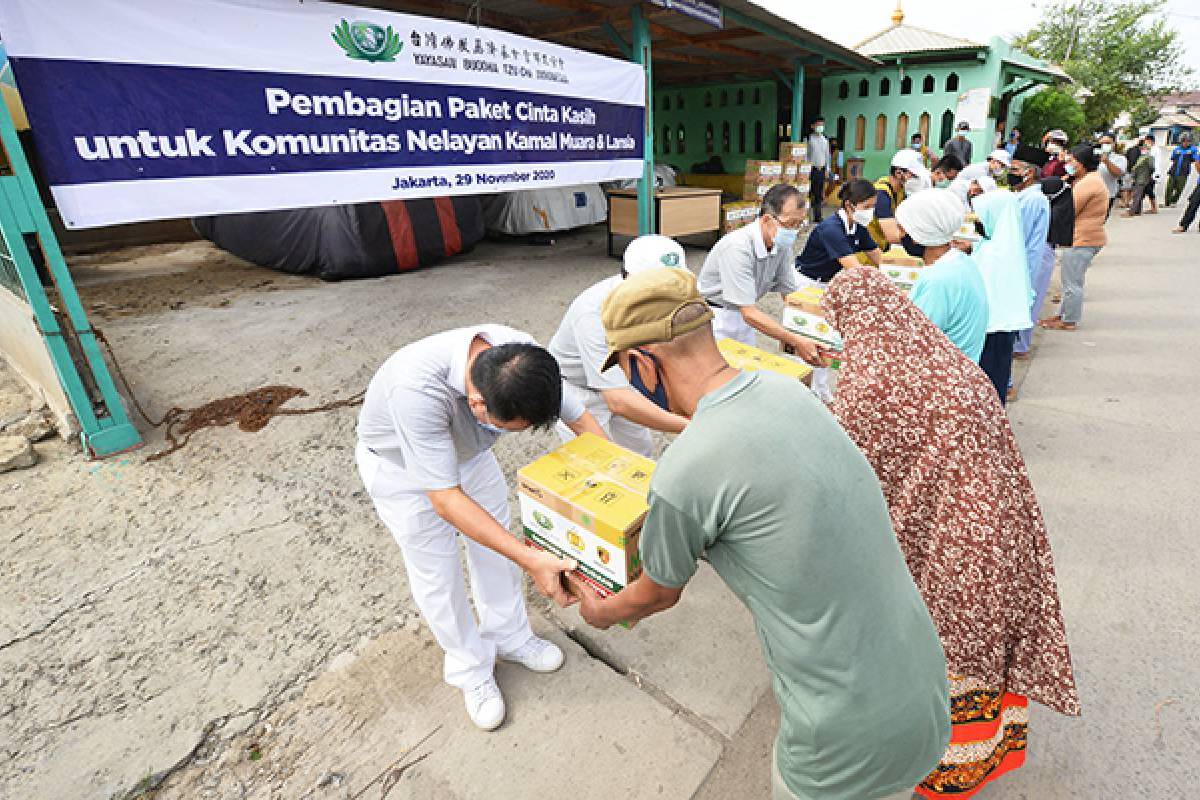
{"type": "Point", "coordinates": [1123, 51]}
{"type": "Point", "coordinates": [1049, 109]}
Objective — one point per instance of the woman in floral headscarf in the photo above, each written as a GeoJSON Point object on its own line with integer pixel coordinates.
{"type": "Point", "coordinates": [929, 422]}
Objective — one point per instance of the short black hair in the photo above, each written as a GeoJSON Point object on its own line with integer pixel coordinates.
{"type": "Point", "coordinates": [818, 119]}
{"type": "Point", "coordinates": [949, 163]}
{"type": "Point", "coordinates": [519, 381]}
{"type": "Point", "coordinates": [776, 198]}
{"type": "Point", "coordinates": [1085, 154]}
{"type": "Point", "coordinates": [856, 191]}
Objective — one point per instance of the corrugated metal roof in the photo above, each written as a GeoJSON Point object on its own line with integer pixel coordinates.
{"type": "Point", "coordinates": [902, 38]}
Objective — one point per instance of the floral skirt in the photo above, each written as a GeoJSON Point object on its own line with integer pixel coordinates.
{"type": "Point", "coordinates": [989, 731]}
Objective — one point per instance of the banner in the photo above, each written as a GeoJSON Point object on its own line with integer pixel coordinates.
{"type": "Point", "coordinates": [143, 109]}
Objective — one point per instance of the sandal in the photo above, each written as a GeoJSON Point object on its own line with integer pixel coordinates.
{"type": "Point", "coordinates": [1057, 324]}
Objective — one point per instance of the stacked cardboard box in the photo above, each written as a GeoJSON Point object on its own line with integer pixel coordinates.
{"type": "Point", "coordinates": [760, 177]}
{"type": "Point", "coordinates": [587, 501]}
{"type": "Point", "coordinates": [793, 151]}
{"type": "Point", "coordinates": [901, 268]}
{"type": "Point", "coordinates": [752, 359]}
{"type": "Point", "coordinates": [737, 215]}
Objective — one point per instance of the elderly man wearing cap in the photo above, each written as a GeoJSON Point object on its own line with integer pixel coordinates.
{"type": "Point", "coordinates": [960, 145]}
{"type": "Point", "coordinates": [628, 412]}
{"type": "Point", "coordinates": [751, 262]}
{"type": "Point", "coordinates": [857, 666]}
{"type": "Point", "coordinates": [906, 176]}
{"type": "Point", "coordinates": [950, 290]}
{"type": "Point", "coordinates": [428, 422]}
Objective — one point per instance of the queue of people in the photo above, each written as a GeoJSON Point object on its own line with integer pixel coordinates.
{"type": "Point", "coordinates": [905, 650]}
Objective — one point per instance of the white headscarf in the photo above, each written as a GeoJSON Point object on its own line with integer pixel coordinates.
{"type": "Point", "coordinates": [931, 217]}
{"type": "Point", "coordinates": [962, 184]}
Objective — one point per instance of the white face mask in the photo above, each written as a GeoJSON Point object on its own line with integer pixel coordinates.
{"type": "Point", "coordinates": [1106, 148]}
{"type": "Point", "coordinates": [818, 129]}
{"type": "Point", "coordinates": [913, 185]}
{"type": "Point", "coordinates": [1053, 149]}
{"type": "Point", "coordinates": [863, 216]}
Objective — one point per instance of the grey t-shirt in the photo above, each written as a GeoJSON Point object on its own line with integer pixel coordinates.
{"type": "Point", "coordinates": [740, 270]}
{"type": "Point", "coordinates": [791, 516]}
{"type": "Point", "coordinates": [415, 413]}
{"type": "Point", "coordinates": [579, 344]}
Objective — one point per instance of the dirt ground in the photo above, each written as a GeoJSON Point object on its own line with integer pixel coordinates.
{"type": "Point", "coordinates": [152, 611]}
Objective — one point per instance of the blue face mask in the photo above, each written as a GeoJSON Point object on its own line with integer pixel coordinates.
{"type": "Point", "coordinates": [490, 428]}
{"type": "Point", "coordinates": [659, 395]}
{"type": "Point", "coordinates": [786, 237]}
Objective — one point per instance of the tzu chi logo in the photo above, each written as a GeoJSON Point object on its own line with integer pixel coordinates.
{"type": "Point", "coordinates": [367, 41]}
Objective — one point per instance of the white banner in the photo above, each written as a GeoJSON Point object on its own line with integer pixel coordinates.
{"type": "Point", "coordinates": [143, 109]}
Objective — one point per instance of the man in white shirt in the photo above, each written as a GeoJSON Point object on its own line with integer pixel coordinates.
{"type": "Point", "coordinates": [1112, 167]}
{"type": "Point", "coordinates": [819, 156]}
{"type": "Point", "coordinates": [627, 412]}
{"type": "Point", "coordinates": [425, 432]}
{"type": "Point", "coordinates": [751, 262]}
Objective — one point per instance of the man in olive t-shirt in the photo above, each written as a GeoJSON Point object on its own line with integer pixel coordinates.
{"type": "Point", "coordinates": [791, 516]}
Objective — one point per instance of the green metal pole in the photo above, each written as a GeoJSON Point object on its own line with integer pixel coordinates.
{"type": "Point", "coordinates": [641, 54]}
{"type": "Point", "coordinates": [798, 104]}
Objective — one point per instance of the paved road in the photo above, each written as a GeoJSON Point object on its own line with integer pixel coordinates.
{"type": "Point", "coordinates": [1108, 425]}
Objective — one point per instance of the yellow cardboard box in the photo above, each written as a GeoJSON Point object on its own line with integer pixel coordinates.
{"type": "Point", "coordinates": [587, 501]}
{"type": "Point", "coordinates": [802, 314]}
{"type": "Point", "coordinates": [752, 359]}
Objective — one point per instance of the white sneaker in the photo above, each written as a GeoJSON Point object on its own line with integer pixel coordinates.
{"type": "Point", "coordinates": [485, 705]}
{"type": "Point", "coordinates": [536, 654]}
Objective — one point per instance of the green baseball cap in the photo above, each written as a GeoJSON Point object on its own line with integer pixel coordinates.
{"type": "Point", "coordinates": [642, 309]}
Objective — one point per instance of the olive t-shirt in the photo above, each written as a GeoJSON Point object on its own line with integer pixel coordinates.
{"type": "Point", "coordinates": [792, 518]}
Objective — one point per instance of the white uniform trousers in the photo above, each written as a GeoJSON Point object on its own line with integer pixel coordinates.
{"type": "Point", "coordinates": [624, 432]}
{"type": "Point", "coordinates": [728, 323]}
{"type": "Point", "coordinates": [435, 575]}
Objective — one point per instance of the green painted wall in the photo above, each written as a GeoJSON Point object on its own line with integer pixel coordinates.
{"type": "Point", "coordinates": [739, 130]}
{"type": "Point", "coordinates": [939, 104]}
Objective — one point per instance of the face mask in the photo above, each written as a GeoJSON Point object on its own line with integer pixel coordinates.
{"type": "Point", "coordinates": [1106, 148]}
{"type": "Point", "coordinates": [786, 237]}
{"type": "Point", "coordinates": [912, 185]}
{"type": "Point", "coordinates": [997, 170]}
{"type": "Point", "coordinates": [659, 395]}
{"type": "Point", "coordinates": [943, 184]}
{"type": "Point", "coordinates": [819, 129]}
{"type": "Point", "coordinates": [1015, 180]}
{"type": "Point", "coordinates": [916, 146]}
{"type": "Point", "coordinates": [863, 216]}
{"type": "Point", "coordinates": [1070, 168]}
{"type": "Point", "coordinates": [1053, 149]}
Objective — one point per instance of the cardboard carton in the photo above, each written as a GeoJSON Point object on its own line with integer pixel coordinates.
{"type": "Point", "coordinates": [793, 151]}
{"type": "Point", "coordinates": [587, 501]}
{"type": "Point", "coordinates": [904, 277]}
{"type": "Point", "coordinates": [897, 256]}
{"type": "Point", "coordinates": [737, 215]}
{"type": "Point", "coordinates": [805, 317]}
{"type": "Point", "coordinates": [763, 171]}
{"type": "Point", "coordinates": [752, 359]}
{"type": "Point", "coordinates": [797, 172]}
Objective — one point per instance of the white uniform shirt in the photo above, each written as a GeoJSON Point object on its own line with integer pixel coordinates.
{"type": "Point", "coordinates": [818, 150]}
{"type": "Point", "coordinates": [740, 270]}
{"type": "Point", "coordinates": [1111, 181]}
{"type": "Point", "coordinates": [579, 344]}
{"type": "Point", "coordinates": [415, 413]}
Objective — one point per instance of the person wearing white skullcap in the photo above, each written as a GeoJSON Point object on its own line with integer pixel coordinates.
{"type": "Point", "coordinates": [626, 412]}
{"type": "Point", "coordinates": [950, 289]}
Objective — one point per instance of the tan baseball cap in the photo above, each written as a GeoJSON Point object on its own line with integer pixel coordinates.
{"type": "Point", "coordinates": [642, 310]}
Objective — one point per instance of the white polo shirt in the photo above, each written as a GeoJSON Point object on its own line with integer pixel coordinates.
{"type": "Point", "coordinates": [740, 270]}
{"type": "Point", "coordinates": [415, 413]}
{"type": "Point", "coordinates": [579, 344]}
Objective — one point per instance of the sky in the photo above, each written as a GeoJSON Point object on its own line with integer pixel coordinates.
{"type": "Point", "coordinates": [831, 20]}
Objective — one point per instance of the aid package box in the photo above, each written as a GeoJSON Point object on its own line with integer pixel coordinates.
{"type": "Point", "coordinates": [793, 151]}
{"type": "Point", "coordinates": [752, 359]}
{"type": "Point", "coordinates": [737, 215]}
{"type": "Point", "coordinates": [587, 501]}
{"type": "Point", "coordinates": [769, 172]}
{"type": "Point", "coordinates": [903, 277]}
{"type": "Point", "coordinates": [802, 314]}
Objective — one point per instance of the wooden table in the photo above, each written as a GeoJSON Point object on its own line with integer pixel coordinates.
{"type": "Point", "coordinates": [678, 211]}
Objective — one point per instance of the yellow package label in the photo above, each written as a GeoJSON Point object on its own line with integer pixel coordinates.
{"type": "Point", "coordinates": [752, 359]}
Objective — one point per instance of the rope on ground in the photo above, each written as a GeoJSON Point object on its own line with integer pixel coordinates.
{"type": "Point", "coordinates": [251, 410]}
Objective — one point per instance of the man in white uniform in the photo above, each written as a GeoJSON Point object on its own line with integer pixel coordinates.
{"type": "Point", "coordinates": [749, 263]}
{"type": "Point", "coordinates": [430, 417]}
{"type": "Point", "coordinates": [580, 348]}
